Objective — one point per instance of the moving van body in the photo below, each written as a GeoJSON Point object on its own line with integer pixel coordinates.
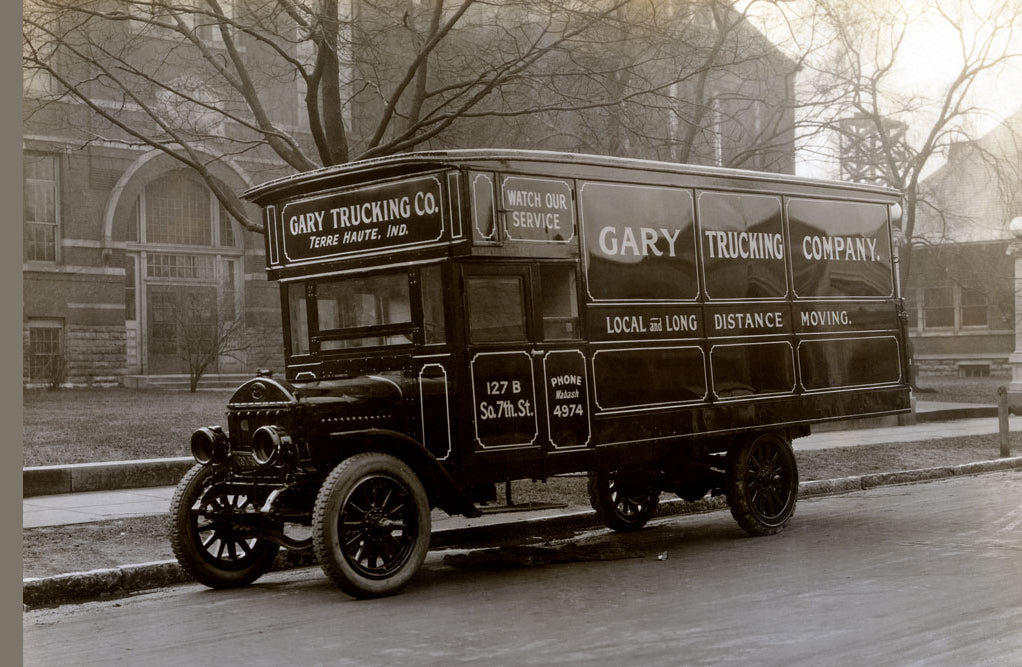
{"type": "Point", "coordinates": [457, 319]}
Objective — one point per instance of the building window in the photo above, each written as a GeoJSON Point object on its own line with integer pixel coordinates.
{"type": "Point", "coordinates": [228, 290]}
{"type": "Point", "coordinates": [974, 370]}
{"type": "Point", "coordinates": [180, 267]}
{"type": "Point", "coordinates": [975, 307]}
{"type": "Point", "coordinates": [35, 78]}
{"type": "Point", "coordinates": [938, 307]}
{"type": "Point", "coordinates": [717, 132]}
{"type": "Point", "coordinates": [208, 26]}
{"type": "Point", "coordinates": [912, 306]}
{"type": "Point", "coordinates": [186, 272]}
{"type": "Point", "coordinates": [41, 208]}
{"type": "Point", "coordinates": [178, 212]}
{"type": "Point", "coordinates": [129, 287]}
{"type": "Point", "coordinates": [954, 307]}
{"type": "Point", "coordinates": [759, 158]}
{"type": "Point", "coordinates": [46, 359]}
{"type": "Point", "coordinates": [226, 229]}
{"type": "Point", "coordinates": [178, 209]}
{"type": "Point", "coordinates": [159, 20]}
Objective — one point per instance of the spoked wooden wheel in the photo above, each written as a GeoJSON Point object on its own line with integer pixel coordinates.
{"type": "Point", "coordinates": [624, 500]}
{"type": "Point", "coordinates": [762, 484]}
{"type": "Point", "coordinates": [208, 543]}
{"type": "Point", "coordinates": [371, 525]}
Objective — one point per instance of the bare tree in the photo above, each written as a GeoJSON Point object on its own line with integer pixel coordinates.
{"type": "Point", "coordinates": [324, 82]}
{"type": "Point", "coordinates": [207, 332]}
{"type": "Point", "coordinates": [908, 133]}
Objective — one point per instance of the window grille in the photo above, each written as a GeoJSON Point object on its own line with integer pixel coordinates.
{"type": "Point", "coordinates": [180, 267]}
{"type": "Point", "coordinates": [129, 287]}
{"type": "Point", "coordinates": [975, 308]}
{"type": "Point", "coordinates": [40, 192]}
{"type": "Point", "coordinates": [44, 350]}
{"type": "Point", "coordinates": [938, 307]}
{"type": "Point", "coordinates": [178, 212]}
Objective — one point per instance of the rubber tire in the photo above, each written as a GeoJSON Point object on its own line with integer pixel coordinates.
{"type": "Point", "coordinates": [740, 483]}
{"type": "Point", "coordinates": [184, 538]}
{"type": "Point", "coordinates": [342, 481]}
{"type": "Point", "coordinates": [607, 506]}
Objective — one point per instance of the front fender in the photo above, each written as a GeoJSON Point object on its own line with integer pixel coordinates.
{"type": "Point", "coordinates": [442, 489]}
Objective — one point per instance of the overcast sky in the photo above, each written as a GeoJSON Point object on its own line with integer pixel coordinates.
{"type": "Point", "coordinates": [928, 60]}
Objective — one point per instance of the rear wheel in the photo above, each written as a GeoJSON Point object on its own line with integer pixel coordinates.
{"type": "Point", "coordinates": [624, 500]}
{"type": "Point", "coordinates": [371, 525]}
{"type": "Point", "coordinates": [213, 548]}
{"type": "Point", "coordinates": [761, 484]}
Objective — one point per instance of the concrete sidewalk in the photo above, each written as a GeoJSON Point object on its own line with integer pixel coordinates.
{"type": "Point", "coordinates": [83, 507]}
{"type": "Point", "coordinates": [928, 430]}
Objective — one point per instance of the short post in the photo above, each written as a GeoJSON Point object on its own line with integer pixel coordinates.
{"type": "Point", "coordinates": [1002, 420]}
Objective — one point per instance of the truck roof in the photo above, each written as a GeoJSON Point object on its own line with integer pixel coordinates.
{"type": "Point", "coordinates": [503, 159]}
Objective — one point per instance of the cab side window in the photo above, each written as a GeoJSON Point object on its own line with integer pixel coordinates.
{"type": "Point", "coordinates": [434, 330]}
{"type": "Point", "coordinates": [496, 308]}
{"type": "Point", "coordinates": [558, 302]}
{"type": "Point", "coordinates": [299, 319]}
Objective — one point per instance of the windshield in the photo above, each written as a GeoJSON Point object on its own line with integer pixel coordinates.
{"type": "Point", "coordinates": [368, 311]}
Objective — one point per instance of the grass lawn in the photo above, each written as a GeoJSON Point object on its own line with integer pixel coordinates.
{"type": "Point", "coordinates": [87, 425]}
{"type": "Point", "coordinates": [959, 390]}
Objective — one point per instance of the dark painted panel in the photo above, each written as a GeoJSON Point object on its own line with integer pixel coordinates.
{"type": "Point", "coordinates": [734, 416]}
{"type": "Point", "coordinates": [846, 362]}
{"type": "Point", "coordinates": [839, 248]}
{"type": "Point", "coordinates": [753, 368]}
{"type": "Point", "coordinates": [743, 245]}
{"type": "Point", "coordinates": [484, 210]}
{"type": "Point", "coordinates": [639, 242]}
{"type": "Point", "coordinates": [653, 376]}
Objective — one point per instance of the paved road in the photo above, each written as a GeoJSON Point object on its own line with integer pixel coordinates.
{"type": "Point", "coordinates": [921, 574]}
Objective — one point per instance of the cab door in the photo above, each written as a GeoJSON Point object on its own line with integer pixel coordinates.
{"type": "Point", "coordinates": [502, 387]}
{"type": "Point", "coordinates": [435, 366]}
{"type": "Point", "coordinates": [560, 357]}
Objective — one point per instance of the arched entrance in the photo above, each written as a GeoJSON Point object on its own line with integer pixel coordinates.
{"type": "Point", "coordinates": [183, 259]}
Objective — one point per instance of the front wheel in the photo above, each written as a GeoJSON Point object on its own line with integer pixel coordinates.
{"type": "Point", "coordinates": [761, 484]}
{"type": "Point", "coordinates": [209, 544]}
{"type": "Point", "coordinates": [624, 500]}
{"type": "Point", "coordinates": [371, 525]}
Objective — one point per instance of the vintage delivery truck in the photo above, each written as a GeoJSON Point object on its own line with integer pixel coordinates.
{"type": "Point", "coordinates": [457, 319]}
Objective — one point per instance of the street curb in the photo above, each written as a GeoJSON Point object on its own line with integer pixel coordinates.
{"type": "Point", "coordinates": [127, 579]}
{"type": "Point", "coordinates": [107, 476]}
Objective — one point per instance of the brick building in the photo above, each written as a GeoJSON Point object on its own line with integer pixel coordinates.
{"type": "Point", "coordinates": [960, 290]}
{"type": "Point", "coordinates": [127, 254]}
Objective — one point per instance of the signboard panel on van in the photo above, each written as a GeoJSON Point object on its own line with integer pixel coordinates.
{"type": "Point", "coordinates": [384, 217]}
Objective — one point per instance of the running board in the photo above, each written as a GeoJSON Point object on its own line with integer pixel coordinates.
{"type": "Point", "coordinates": [521, 507]}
